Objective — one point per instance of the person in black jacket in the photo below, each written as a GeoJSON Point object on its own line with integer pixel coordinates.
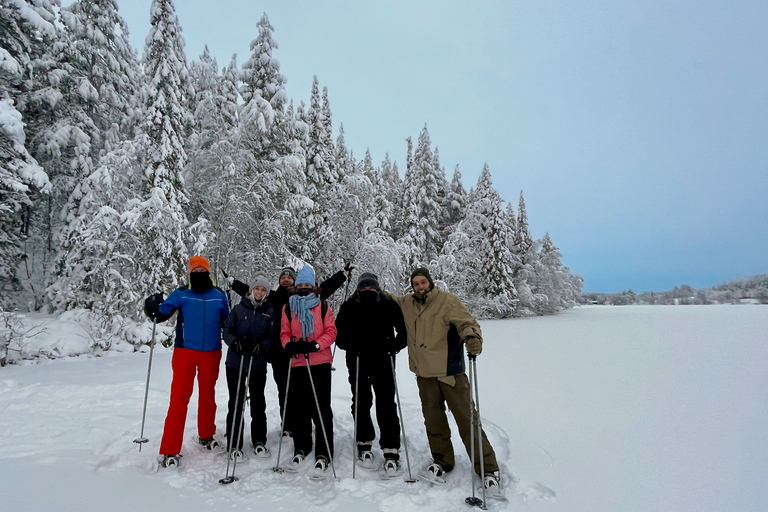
{"type": "Point", "coordinates": [278, 298]}
{"type": "Point", "coordinates": [370, 327]}
{"type": "Point", "coordinates": [250, 332]}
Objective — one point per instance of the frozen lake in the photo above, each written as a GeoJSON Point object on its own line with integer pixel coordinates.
{"type": "Point", "coordinates": [634, 408]}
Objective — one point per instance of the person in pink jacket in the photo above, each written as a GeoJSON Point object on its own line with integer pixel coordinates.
{"type": "Point", "coordinates": [308, 330]}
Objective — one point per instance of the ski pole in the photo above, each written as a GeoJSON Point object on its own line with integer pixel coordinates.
{"type": "Point", "coordinates": [241, 424]}
{"type": "Point", "coordinates": [473, 500]}
{"type": "Point", "coordinates": [357, 401]}
{"type": "Point", "coordinates": [410, 479]}
{"type": "Point", "coordinates": [141, 439]}
{"type": "Point", "coordinates": [319, 414]}
{"type": "Point", "coordinates": [473, 372]}
{"type": "Point", "coordinates": [227, 478]}
{"type": "Point", "coordinates": [277, 468]}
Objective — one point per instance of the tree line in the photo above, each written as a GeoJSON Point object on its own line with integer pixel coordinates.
{"type": "Point", "coordinates": [114, 169]}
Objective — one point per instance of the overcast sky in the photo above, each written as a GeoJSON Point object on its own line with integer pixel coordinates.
{"type": "Point", "coordinates": [637, 131]}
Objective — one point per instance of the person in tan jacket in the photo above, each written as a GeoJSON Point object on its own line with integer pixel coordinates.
{"type": "Point", "coordinates": [439, 327]}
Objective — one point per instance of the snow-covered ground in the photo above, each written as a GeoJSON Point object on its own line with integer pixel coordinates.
{"type": "Point", "coordinates": [635, 408]}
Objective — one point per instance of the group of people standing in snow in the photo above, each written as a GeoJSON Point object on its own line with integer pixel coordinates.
{"type": "Point", "coordinates": [292, 328]}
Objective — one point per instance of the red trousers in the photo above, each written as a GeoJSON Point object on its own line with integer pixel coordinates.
{"type": "Point", "coordinates": [186, 363]}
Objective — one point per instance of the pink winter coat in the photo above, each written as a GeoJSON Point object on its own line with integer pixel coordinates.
{"type": "Point", "coordinates": [324, 334]}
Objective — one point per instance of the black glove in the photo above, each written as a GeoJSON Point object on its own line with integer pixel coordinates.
{"type": "Point", "coordinates": [307, 347]}
{"type": "Point", "coordinates": [240, 288]}
{"type": "Point", "coordinates": [151, 305]}
{"type": "Point", "coordinates": [292, 348]}
{"type": "Point", "coordinates": [259, 350]}
{"type": "Point", "coordinates": [247, 343]}
{"type": "Point", "coordinates": [237, 346]}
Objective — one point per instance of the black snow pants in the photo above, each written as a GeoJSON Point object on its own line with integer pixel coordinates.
{"type": "Point", "coordinates": [375, 377]}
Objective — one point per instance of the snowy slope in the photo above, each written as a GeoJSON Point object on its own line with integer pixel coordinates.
{"type": "Point", "coordinates": [632, 408]}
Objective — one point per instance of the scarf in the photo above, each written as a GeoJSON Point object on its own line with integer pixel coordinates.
{"type": "Point", "coordinates": [300, 307]}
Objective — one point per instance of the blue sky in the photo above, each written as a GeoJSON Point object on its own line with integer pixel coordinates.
{"type": "Point", "coordinates": [637, 131]}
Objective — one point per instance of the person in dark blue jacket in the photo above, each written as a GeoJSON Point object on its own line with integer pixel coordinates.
{"type": "Point", "coordinates": [202, 309]}
{"type": "Point", "coordinates": [250, 332]}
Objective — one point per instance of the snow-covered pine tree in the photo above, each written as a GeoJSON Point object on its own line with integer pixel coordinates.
{"type": "Point", "coordinates": [525, 272]}
{"type": "Point", "coordinates": [456, 202]}
{"type": "Point", "coordinates": [391, 189]}
{"type": "Point", "coordinates": [273, 182]}
{"type": "Point", "coordinates": [215, 154]}
{"type": "Point", "coordinates": [423, 212]}
{"type": "Point", "coordinates": [157, 220]}
{"type": "Point", "coordinates": [102, 68]}
{"type": "Point", "coordinates": [22, 32]}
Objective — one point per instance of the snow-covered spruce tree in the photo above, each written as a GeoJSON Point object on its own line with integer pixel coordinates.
{"type": "Point", "coordinates": [22, 32]}
{"type": "Point", "coordinates": [421, 209]}
{"type": "Point", "coordinates": [314, 227]}
{"type": "Point", "coordinates": [27, 31]}
{"type": "Point", "coordinates": [273, 180]}
{"type": "Point", "coordinates": [392, 190]}
{"type": "Point", "coordinates": [456, 202]}
{"type": "Point", "coordinates": [524, 275]}
{"type": "Point", "coordinates": [477, 259]}
{"type": "Point", "coordinates": [104, 69]}
{"type": "Point", "coordinates": [215, 154]}
{"type": "Point", "coordinates": [157, 222]}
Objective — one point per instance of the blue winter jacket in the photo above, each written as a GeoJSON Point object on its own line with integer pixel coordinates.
{"type": "Point", "coordinates": [201, 317]}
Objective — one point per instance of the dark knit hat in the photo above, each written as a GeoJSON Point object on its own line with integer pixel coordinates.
{"type": "Point", "coordinates": [289, 271]}
{"type": "Point", "coordinates": [368, 279]}
{"type": "Point", "coordinates": [423, 271]}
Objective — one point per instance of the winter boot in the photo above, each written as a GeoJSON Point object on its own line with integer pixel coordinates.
{"type": "Point", "coordinates": [434, 473]}
{"type": "Point", "coordinates": [169, 461]}
{"type": "Point", "coordinates": [208, 443]}
{"type": "Point", "coordinates": [296, 461]}
{"type": "Point", "coordinates": [391, 461]}
{"type": "Point", "coordinates": [236, 455]}
{"type": "Point", "coordinates": [321, 464]}
{"type": "Point", "coordinates": [493, 486]}
{"type": "Point", "coordinates": [260, 451]}
{"type": "Point", "coordinates": [365, 455]}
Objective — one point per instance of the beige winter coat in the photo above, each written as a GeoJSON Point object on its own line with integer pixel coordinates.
{"type": "Point", "coordinates": [431, 351]}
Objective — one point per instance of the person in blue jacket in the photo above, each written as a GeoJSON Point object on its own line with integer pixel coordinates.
{"type": "Point", "coordinates": [250, 332]}
{"type": "Point", "coordinates": [202, 309]}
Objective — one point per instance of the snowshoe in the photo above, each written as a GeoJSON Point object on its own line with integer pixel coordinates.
{"type": "Point", "coordinates": [208, 443]}
{"type": "Point", "coordinates": [295, 464]}
{"type": "Point", "coordinates": [260, 451]}
{"type": "Point", "coordinates": [236, 455]}
{"type": "Point", "coordinates": [433, 473]}
{"type": "Point", "coordinates": [320, 471]}
{"type": "Point", "coordinates": [169, 461]}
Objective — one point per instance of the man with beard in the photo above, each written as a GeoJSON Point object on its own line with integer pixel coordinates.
{"type": "Point", "coordinates": [202, 311]}
{"type": "Point", "coordinates": [370, 328]}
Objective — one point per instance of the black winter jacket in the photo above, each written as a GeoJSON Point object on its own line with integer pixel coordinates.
{"type": "Point", "coordinates": [375, 327]}
{"type": "Point", "coordinates": [245, 320]}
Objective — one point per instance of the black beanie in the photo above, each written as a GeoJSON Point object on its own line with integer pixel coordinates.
{"type": "Point", "coordinates": [289, 271]}
{"type": "Point", "coordinates": [368, 279]}
{"type": "Point", "coordinates": [423, 271]}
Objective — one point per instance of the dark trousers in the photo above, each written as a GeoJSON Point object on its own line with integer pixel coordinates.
{"type": "Point", "coordinates": [302, 409]}
{"type": "Point", "coordinates": [375, 377]}
{"type": "Point", "coordinates": [280, 375]}
{"type": "Point", "coordinates": [255, 387]}
{"type": "Point", "coordinates": [434, 395]}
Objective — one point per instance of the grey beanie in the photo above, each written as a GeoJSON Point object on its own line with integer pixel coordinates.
{"type": "Point", "coordinates": [259, 281]}
{"type": "Point", "coordinates": [368, 279]}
